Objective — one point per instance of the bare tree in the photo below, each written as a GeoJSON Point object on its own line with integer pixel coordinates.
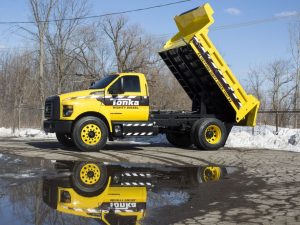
{"type": "Point", "coordinates": [21, 71]}
{"type": "Point", "coordinates": [132, 49]}
{"type": "Point", "coordinates": [41, 11]}
{"type": "Point", "coordinates": [280, 84]}
{"type": "Point", "coordinates": [92, 52]}
{"type": "Point", "coordinates": [60, 36]}
{"type": "Point", "coordinates": [17, 87]}
{"type": "Point", "coordinates": [256, 84]}
{"type": "Point", "coordinates": [295, 52]}
{"type": "Point", "coordinates": [280, 87]}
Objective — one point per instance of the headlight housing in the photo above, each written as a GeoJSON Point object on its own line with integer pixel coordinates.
{"type": "Point", "coordinates": [65, 197]}
{"type": "Point", "coordinates": [67, 110]}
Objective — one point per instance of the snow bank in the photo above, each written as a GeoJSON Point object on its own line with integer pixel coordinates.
{"type": "Point", "coordinates": [265, 137]}
{"type": "Point", "coordinates": [25, 133]}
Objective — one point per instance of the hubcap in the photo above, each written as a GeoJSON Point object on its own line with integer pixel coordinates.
{"type": "Point", "coordinates": [213, 134]}
{"type": "Point", "coordinates": [211, 173]}
{"type": "Point", "coordinates": [90, 174]}
{"type": "Point", "coordinates": [91, 134]}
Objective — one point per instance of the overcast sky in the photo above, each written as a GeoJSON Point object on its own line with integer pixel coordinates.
{"type": "Point", "coordinates": [241, 47]}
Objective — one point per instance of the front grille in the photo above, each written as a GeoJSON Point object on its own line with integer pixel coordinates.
{"type": "Point", "coordinates": [50, 193]}
{"type": "Point", "coordinates": [48, 109]}
{"type": "Point", "coordinates": [52, 108]}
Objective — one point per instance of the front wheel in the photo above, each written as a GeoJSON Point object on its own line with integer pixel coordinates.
{"type": "Point", "coordinates": [209, 134]}
{"type": "Point", "coordinates": [90, 134]}
{"type": "Point", "coordinates": [65, 139]}
{"type": "Point", "coordinates": [89, 178]}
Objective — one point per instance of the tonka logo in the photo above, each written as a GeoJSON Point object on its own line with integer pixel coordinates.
{"type": "Point", "coordinates": [122, 205]}
{"type": "Point", "coordinates": [121, 102]}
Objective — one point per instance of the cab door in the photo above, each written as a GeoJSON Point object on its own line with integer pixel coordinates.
{"type": "Point", "coordinates": [127, 99]}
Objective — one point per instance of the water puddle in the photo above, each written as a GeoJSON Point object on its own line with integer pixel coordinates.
{"type": "Point", "coordinates": [36, 191]}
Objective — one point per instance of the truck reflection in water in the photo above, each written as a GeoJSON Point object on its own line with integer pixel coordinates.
{"type": "Point", "coordinates": [115, 194]}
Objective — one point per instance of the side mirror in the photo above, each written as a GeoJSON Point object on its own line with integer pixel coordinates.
{"type": "Point", "coordinates": [116, 91]}
{"type": "Point", "coordinates": [92, 84]}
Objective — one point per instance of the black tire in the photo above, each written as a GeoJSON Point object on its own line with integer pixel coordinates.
{"type": "Point", "coordinates": [89, 185]}
{"type": "Point", "coordinates": [65, 139]}
{"type": "Point", "coordinates": [193, 133]}
{"type": "Point", "coordinates": [209, 134]}
{"type": "Point", "coordinates": [180, 140]}
{"type": "Point", "coordinates": [99, 136]}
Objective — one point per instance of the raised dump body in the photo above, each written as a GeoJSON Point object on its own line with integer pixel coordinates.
{"type": "Point", "coordinates": [203, 73]}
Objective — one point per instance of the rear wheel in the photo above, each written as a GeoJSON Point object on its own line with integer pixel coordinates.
{"type": "Point", "coordinates": [181, 140]}
{"type": "Point", "coordinates": [89, 178]}
{"type": "Point", "coordinates": [90, 134]}
{"type": "Point", "coordinates": [65, 139]}
{"type": "Point", "coordinates": [209, 134]}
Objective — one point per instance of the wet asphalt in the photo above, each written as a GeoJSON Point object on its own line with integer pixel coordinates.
{"type": "Point", "coordinates": [261, 187]}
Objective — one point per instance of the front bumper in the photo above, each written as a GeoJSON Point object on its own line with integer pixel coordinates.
{"type": "Point", "coordinates": [57, 126]}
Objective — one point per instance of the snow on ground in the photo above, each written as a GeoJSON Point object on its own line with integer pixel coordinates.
{"type": "Point", "coordinates": [265, 137]}
{"type": "Point", "coordinates": [240, 137]}
{"type": "Point", "coordinates": [24, 133]}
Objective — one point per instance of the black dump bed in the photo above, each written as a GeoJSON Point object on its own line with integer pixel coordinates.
{"type": "Point", "coordinates": [199, 85]}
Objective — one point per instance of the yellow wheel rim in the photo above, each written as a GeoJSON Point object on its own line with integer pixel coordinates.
{"type": "Point", "coordinates": [90, 174]}
{"type": "Point", "coordinates": [213, 134]}
{"type": "Point", "coordinates": [211, 173]}
{"type": "Point", "coordinates": [91, 134]}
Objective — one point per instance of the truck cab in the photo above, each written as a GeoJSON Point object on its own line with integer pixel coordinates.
{"type": "Point", "coordinates": [120, 97]}
{"type": "Point", "coordinates": [115, 98]}
{"type": "Point", "coordinates": [126, 97]}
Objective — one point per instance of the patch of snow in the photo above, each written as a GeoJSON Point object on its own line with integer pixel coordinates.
{"type": "Point", "coordinates": [18, 175]}
{"type": "Point", "coordinates": [17, 161]}
{"type": "Point", "coordinates": [161, 138]}
{"type": "Point", "coordinates": [231, 170]}
{"type": "Point", "coordinates": [24, 133]}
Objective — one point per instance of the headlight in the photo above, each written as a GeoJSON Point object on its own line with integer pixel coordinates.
{"type": "Point", "coordinates": [65, 197]}
{"type": "Point", "coordinates": [67, 110]}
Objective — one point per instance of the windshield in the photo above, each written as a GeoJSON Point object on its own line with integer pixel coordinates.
{"type": "Point", "coordinates": [100, 84]}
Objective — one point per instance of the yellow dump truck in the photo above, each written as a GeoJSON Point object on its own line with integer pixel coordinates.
{"type": "Point", "coordinates": [97, 191]}
{"type": "Point", "coordinates": [118, 105]}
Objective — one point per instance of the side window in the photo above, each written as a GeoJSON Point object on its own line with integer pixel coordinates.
{"type": "Point", "coordinates": [116, 85]}
{"type": "Point", "coordinates": [131, 84]}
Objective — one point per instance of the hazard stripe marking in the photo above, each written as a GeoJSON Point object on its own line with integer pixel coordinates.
{"type": "Point", "coordinates": [138, 124]}
{"type": "Point", "coordinates": [217, 72]}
